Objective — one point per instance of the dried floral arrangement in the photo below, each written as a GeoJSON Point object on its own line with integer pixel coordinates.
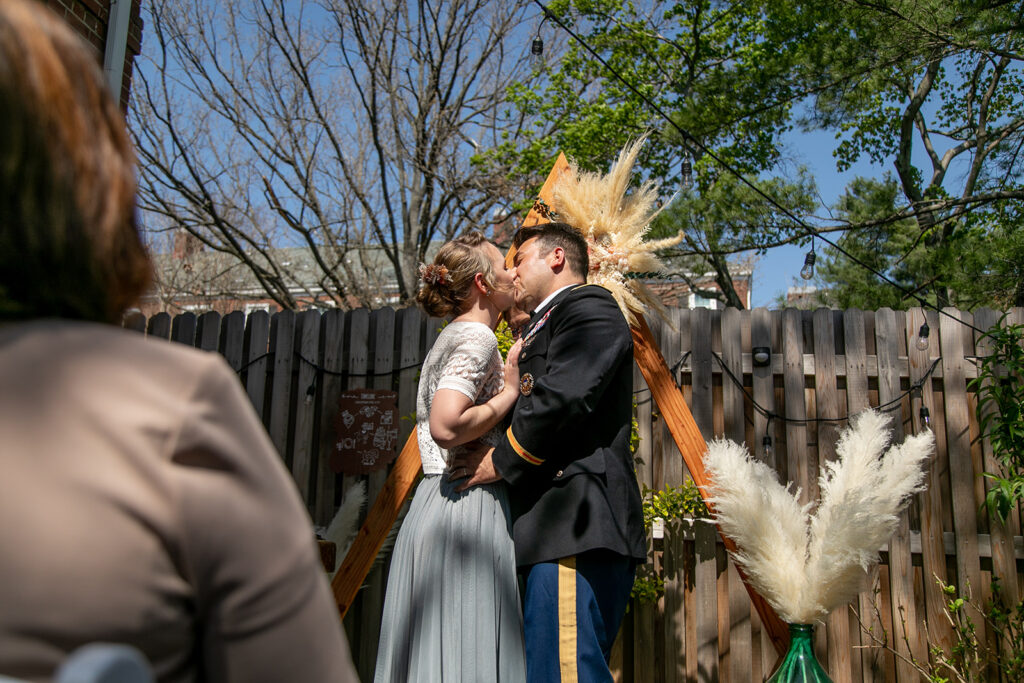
{"type": "Point", "coordinates": [805, 565]}
{"type": "Point", "coordinates": [615, 224]}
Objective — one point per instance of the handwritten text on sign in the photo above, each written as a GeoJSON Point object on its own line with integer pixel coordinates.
{"type": "Point", "coordinates": [367, 431]}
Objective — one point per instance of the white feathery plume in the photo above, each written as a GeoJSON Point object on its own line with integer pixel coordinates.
{"type": "Point", "coordinates": [343, 528]}
{"type": "Point", "coordinates": [615, 225]}
{"type": "Point", "coordinates": [751, 505]}
{"type": "Point", "coordinates": [862, 494]}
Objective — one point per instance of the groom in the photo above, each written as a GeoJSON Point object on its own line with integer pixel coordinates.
{"type": "Point", "coordinates": [576, 510]}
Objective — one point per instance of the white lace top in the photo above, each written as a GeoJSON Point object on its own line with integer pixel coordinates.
{"type": "Point", "coordinates": [464, 358]}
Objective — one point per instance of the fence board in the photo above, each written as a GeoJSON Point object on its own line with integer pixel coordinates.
{"type": "Point", "coordinates": [307, 345]}
{"type": "Point", "coordinates": [705, 589]}
{"type": "Point", "coordinates": [256, 360]}
{"type": "Point", "coordinates": [674, 656]}
{"type": "Point", "coordinates": [644, 614]}
{"type": "Point", "coordinates": [332, 355]}
{"type": "Point", "coordinates": [930, 503]}
{"type": "Point", "coordinates": [643, 635]}
{"type": "Point", "coordinates": [797, 463]}
{"type": "Point", "coordinates": [888, 335]}
{"type": "Point", "coordinates": [1004, 564]}
{"type": "Point", "coordinates": [357, 333]}
{"type": "Point", "coordinates": [231, 342]}
{"type": "Point", "coordinates": [763, 390]}
{"type": "Point", "coordinates": [382, 334]}
{"type": "Point", "coordinates": [827, 409]}
{"type": "Point", "coordinates": [134, 321]}
{"type": "Point", "coordinates": [670, 470]}
{"type": "Point", "coordinates": [183, 329]}
{"type": "Point", "coordinates": [868, 666]}
{"type": "Point", "coordinates": [282, 345]}
{"type": "Point", "coordinates": [208, 331]}
{"type": "Point", "coordinates": [961, 471]}
{"type": "Point", "coordinates": [706, 568]}
{"type": "Point", "coordinates": [739, 649]}
{"type": "Point", "coordinates": [159, 326]}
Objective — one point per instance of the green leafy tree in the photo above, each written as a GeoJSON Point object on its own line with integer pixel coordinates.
{"type": "Point", "coordinates": [931, 89]}
{"type": "Point", "coordinates": [709, 66]}
{"type": "Point", "coordinates": [720, 221]}
{"type": "Point", "coordinates": [943, 78]}
{"type": "Point", "coordinates": [889, 247]}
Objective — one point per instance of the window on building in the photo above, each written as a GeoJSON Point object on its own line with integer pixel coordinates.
{"type": "Point", "coordinates": [698, 301]}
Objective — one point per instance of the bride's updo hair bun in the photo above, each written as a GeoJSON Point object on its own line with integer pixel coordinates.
{"type": "Point", "coordinates": [445, 284]}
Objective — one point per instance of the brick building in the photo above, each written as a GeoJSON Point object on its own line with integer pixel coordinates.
{"type": "Point", "coordinates": [114, 28]}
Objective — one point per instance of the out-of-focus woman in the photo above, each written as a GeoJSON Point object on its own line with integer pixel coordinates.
{"type": "Point", "coordinates": [141, 501]}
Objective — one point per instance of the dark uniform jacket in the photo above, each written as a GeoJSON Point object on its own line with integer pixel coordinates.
{"type": "Point", "coordinates": [566, 454]}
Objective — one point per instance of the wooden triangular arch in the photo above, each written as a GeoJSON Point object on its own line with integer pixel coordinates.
{"type": "Point", "coordinates": [666, 394]}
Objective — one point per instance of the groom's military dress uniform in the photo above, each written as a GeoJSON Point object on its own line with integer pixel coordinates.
{"type": "Point", "coordinates": [576, 506]}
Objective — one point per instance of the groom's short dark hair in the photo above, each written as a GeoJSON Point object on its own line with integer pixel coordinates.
{"type": "Point", "coordinates": [551, 235]}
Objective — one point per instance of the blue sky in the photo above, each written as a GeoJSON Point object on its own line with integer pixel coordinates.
{"type": "Point", "coordinates": [777, 270]}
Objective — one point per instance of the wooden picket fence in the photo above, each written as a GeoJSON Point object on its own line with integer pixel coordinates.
{"type": "Point", "coordinates": [824, 366]}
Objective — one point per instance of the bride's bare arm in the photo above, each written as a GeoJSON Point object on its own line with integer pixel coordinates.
{"type": "Point", "coordinates": [455, 420]}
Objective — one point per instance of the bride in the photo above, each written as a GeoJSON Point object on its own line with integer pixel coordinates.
{"type": "Point", "coordinates": [452, 610]}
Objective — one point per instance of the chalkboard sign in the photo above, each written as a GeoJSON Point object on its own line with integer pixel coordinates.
{"type": "Point", "coordinates": [367, 431]}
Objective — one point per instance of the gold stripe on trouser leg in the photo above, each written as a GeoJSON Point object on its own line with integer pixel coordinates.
{"type": "Point", "coordinates": [567, 619]}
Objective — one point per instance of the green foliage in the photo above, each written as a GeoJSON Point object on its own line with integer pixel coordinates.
{"type": "Point", "coordinates": [673, 504]}
{"type": "Point", "coordinates": [916, 91]}
{"type": "Point", "coordinates": [1000, 408]}
{"type": "Point", "coordinates": [648, 585]}
{"type": "Point", "coordinates": [929, 89]}
{"type": "Point", "coordinates": [710, 67]}
{"type": "Point", "coordinates": [968, 659]}
{"type": "Point", "coordinates": [892, 248]}
{"type": "Point", "coordinates": [505, 340]}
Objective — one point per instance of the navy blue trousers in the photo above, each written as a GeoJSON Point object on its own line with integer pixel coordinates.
{"type": "Point", "coordinates": [572, 612]}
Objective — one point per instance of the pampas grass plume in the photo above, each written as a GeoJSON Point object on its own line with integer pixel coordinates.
{"type": "Point", "coordinates": [615, 225]}
{"type": "Point", "coordinates": [805, 565]}
{"type": "Point", "coordinates": [345, 525]}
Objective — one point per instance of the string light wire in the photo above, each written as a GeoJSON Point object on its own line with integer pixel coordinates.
{"type": "Point", "coordinates": [688, 139]}
{"type": "Point", "coordinates": [770, 415]}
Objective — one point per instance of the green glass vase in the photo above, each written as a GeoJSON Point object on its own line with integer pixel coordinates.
{"type": "Point", "coordinates": [800, 664]}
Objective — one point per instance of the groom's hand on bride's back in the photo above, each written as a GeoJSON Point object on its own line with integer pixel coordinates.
{"type": "Point", "coordinates": [473, 467]}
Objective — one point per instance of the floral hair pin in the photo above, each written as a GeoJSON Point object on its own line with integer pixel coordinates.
{"type": "Point", "coordinates": [435, 274]}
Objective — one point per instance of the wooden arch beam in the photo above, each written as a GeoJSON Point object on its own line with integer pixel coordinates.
{"type": "Point", "coordinates": [666, 394]}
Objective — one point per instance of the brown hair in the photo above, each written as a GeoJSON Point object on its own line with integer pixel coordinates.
{"type": "Point", "coordinates": [462, 258]}
{"type": "Point", "coordinates": [69, 246]}
{"type": "Point", "coordinates": [551, 235]}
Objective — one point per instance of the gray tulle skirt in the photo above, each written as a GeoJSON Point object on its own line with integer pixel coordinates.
{"type": "Point", "coordinates": [452, 611]}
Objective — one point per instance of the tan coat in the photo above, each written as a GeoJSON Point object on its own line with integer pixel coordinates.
{"type": "Point", "coordinates": [142, 502]}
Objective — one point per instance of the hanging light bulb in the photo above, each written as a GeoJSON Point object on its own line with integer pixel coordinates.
{"type": "Point", "coordinates": [926, 419]}
{"type": "Point", "coordinates": [687, 173]}
{"type": "Point", "coordinates": [537, 46]}
{"type": "Point", "coordinates": [769, 451]}
{"type": "Point", "coordinates": [922, 337]}
{"type": "Point", "coordinates": [807, 272]}
{"type": "Point", "coordinates": [310, 393]}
